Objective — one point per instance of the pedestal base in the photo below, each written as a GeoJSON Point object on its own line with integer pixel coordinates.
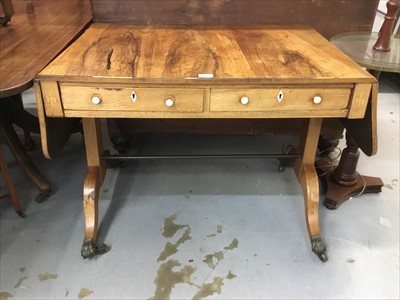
{"type": "Point", "coordinates": [337, 194]}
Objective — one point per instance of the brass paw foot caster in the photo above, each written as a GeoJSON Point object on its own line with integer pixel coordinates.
{"type": "Point", "coordinates": [89, 249]}
{"type": "Point", "coordinates": [319, 248]}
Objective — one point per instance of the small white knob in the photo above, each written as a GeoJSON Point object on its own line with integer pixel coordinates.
{"type": "Point", "coordinates": [317, 99]}
{"type": "Point", "coordinates": [169, 102]}
{"type": "Point", "coordinates": [244, 100]}
{"type": "Point", "coordinates": [96, 100]}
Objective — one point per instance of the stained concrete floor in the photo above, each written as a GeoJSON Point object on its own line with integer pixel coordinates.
{"type": "Point", "coordinates": [242, 232]}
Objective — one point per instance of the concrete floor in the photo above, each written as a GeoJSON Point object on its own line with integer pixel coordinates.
{"type": "Point", "coordinates": [243, 233]}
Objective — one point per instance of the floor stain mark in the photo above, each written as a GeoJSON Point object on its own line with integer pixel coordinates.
{"type": "Point", "coordinates": [170, 228]}
{"type": "Point", "coordinates": [167, 278]}
{"type": "Point", "coordinates": [231, 275]}
{"type": "Point", "coordinates": [47, 276]}
{"type": "Point", "coordinates": [5, 295]}
{"type": "Point", "coordinates": [234, 244]}
{"type": "Point", "coordinates": [209, 289]}
{"type": "Point", "coordinates": [209, 259]}
{"type": "Point", "coordinates": [22, 270]}
{"type": "Point", "coordinates": [19, 282]}
{"type": "Point", "coordinates": [171, 249]}
{"type": "Point", "coordinates": [84, 292]}
{"type": "Point", "coordinates": [350, 260]}
{"type": "Point", "coordinates": [219, 230]}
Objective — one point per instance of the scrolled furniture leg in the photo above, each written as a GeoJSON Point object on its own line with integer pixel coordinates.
{"type": "Point", "coordinates": [307, 176]}
{"type": "Point", "coordinates": [90, 205]}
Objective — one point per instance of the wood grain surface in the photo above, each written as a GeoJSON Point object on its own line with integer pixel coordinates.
{"type": "Point", "coordinates": [127, 53]}
{"type": "Point", "coordinates": [31, 40]}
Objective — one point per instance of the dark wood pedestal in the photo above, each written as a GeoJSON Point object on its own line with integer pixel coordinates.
{"type": "Point", "coordinates": [344, 182]}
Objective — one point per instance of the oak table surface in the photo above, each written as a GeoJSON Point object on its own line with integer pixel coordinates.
{"type": "Point", "coordinates": [127, 71]}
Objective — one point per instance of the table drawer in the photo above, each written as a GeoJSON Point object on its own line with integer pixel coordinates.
{"type": "Point", "coordinates": [132, 99]}
{"type": "Point", "coordinates": [287, 99]}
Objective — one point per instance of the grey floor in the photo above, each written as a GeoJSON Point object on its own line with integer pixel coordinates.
{"type": "Point", "coordinates": [242, 232]}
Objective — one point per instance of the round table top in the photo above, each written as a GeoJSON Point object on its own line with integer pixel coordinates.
{"type": "Point", "coordinates": [358, 45]}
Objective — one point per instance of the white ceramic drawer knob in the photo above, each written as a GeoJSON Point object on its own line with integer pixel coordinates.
{"type": "Point", "coordinates": [244, 100]}
{"type": "Point", "coordinates": [96, 100]}
{"type": "Point", "coordinates": [169, 102]}
{"type": "Point", "coordinates": [317, 99]}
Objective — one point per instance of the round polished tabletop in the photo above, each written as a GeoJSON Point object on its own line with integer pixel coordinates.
{"type": "Point", "coordinates": [358, 45]}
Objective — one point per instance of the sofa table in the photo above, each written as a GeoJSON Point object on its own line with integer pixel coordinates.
{"type": "Point", "coordinates": [149, 71]}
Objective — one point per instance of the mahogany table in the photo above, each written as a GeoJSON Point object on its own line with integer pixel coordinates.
{"type": "Point", "coordinates": [183, 72]}
{"type": "Point", "coordinates": [344, 181]}
{"type": "Point", "coordinates": [27, 44]}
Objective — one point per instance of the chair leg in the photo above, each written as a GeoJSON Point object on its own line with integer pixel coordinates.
{"type": "Point", "coordinates": [10, 186]}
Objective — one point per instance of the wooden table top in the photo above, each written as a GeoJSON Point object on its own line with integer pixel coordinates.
{"type": "Point", "coordinates": [179, 54]}
{"type": "Point", "coordinates": [30, 41]}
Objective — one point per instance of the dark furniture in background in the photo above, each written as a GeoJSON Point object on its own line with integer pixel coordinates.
{"type": "Point", "coordinates": [33, 38]}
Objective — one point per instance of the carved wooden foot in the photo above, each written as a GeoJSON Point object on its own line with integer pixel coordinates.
{"type": "Point", "coordinates": [90, 204]}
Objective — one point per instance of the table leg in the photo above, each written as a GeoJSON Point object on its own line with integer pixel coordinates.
{"type": "Point", "coordinates": [10, 186]}
{"type": "Point", "coordinates": [307, 176]}
{"type": "Point", "coordinates": [19, 152]}
{"type": "Point", "coordinates": [93, 180]}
